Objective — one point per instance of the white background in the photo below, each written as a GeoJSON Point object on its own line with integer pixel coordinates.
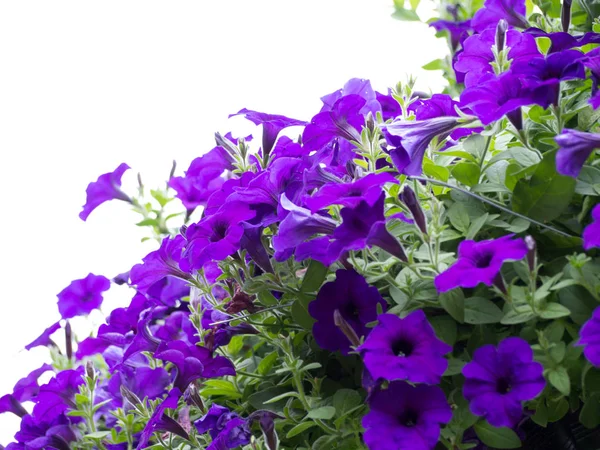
{"type": "Point", "coordinates": [86, 85]}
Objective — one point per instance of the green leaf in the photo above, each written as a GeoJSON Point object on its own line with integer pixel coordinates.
{"type": "Point", "coordinates": [590, 413]}
{"type": "Point", "coordinates": [345, 400]}
{"type": "Point", "coordinates": [406, 15]}
{"type": "Point", "coordinates": [299, 429]}
{"type": "Point", "coordinates": [267, 363]}
{"type": "Point", "coordinates": [436, 64]}
{"type": "Point", "coordinates": [541, 414]}
{"type": "Point", "coordinates": [476, 225]}
{"type": "Point", "coordinates": [445, 328]}
{"type": "Point", "coordinates": [459, 217]}
{"type": "Point", "coordinates": [559, 378]}
{"type": "Point", "coordinates": [266, 298]}
{"type": "Point", "coordinates": [480, 311]}
{"type": "Point", "coordinates": [314, 276]}
{"type": "Point", "coordinates": [519, 314]}
{"type": "Point", "coordinates": [97, 435]}
{"type": "Point", "coordinates": [588, 181]}
{"type": "Point", "coordinates": [300, 312]}
{"type": "Point", "coordinates": [467, 173]}
{"type": "Point", "coordinates": [324, 412]}
{"type": "Point", "coordinates": [546, 195]}
{"type": "Point", "coordinates": [554, 311]}
{"type": "Point", "coordinates": [437, 172]}
{"type": "Point", "coordinates": [557, 409]}
{"type": "Point", "coordinates": [474, 144]}
{"type": "Point", "coordinates": [454, 303]}
{"type": "Point", "coordinates": [501, 438]}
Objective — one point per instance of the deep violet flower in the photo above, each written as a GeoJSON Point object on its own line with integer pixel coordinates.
{"type": "Point", "coordinates": [26, 389]}
{"type": "Point", "coordinates": [159, 264]}
{"type": "Point", "coordinates": [458, 31]}
{"type": "Point", "coordinates": [272, 124]}
{"type": "Point", "coordinates": [202, 178]}
{"type": "Point", "coordinates": [354, 86]}
{"type": "Point", "coordinates": [82, 296]}
{"type": "Point", "coordinates": [591, 233]}
{"type": "Point", "coordinates": [592, 62]}
{"type": "Point", "coordinates": [215, 237]}
{"type": "Point", "coordinates": [405, 417]}
{"type": "Point", "coordinates": [589, 336]}
{"type": "Point", "coordinates": [499, 379]}
{"type": "Point", "coordinates": [168, 291]}
{"type": "Point", "coordinates": [560, 41]}
{"type": "Point", "coordinates": [354, 299]}
{"type": "Point", "coordinates": [409, 198]}
{"type": "Point", "coordinates": [480, 262]}
{"type": "Point", "coordinates": [178, 327]}
{"type": "Point", "coordinates": [33, 434]}
{"type": "Point", "coordinates": [227, 429]}
{"type": "Point", "coordinates": [220, 334]}
{"type": "Point", "coordinates": [574, 148]}
{"type": "Point", "coordinates": [349, 194]}
{"type": "Point", "coordinates": [390, 107]}
{"type": "Point", "coordinates": [57, 396]}
{"type": "Point", "coordinates": [513, 11]}
{"type": "Point", "coordinates": [106, 187]}
{"type": "Point", "coordinates": [44, 339]}
{"type": "Point", "coordinates": [144, 382]}
{"type": "Point", "coordinates": [405, 349]}
{"type": "Point", "coordinates": [161, 422]}
{"type": "Point", "coordinates": [193, 362]}
{"type": "Point", "coordinates": [344, 120]}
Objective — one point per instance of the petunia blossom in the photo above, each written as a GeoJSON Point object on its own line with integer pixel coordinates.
{"type": "Point", "coordinates": [499, 379]}
{"type": "Point", "coordinates": [405, 349]}
{"type": "Point", "coordinates": [159, 421]}
{"type": "Point", "coordinates": [405, 417]}
{"type": "Point", "coordinates": [513, 11]}
{"type": "Point", "coordinates": [82, 296]}
{"type": "Point", "coordinates": [106, 187]}
{"type": "Point", "coordinates": [480, 262]}
{"type": "Point", "coordinates": [561, 40]}
{"type": "Point", "coordinates": [44, 340]}
{"type": "Point", "coordinates": [574, 148]}
{"type": "Point", "coordinates": [591, 233]}
{"type": "Point", "coordinates": [58, 395]}
{"type": "Point", "coordinates": [227, 429]}
{"type": "Point", "coordinates": [589, 336]}
{"type": "Point", "coordinates": [458, 31]}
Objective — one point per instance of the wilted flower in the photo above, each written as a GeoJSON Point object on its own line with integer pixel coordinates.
{"type": "Point", "coordinates": [574, 148]}
{"type": "Point", "coordinates": [82, 296]}
{"type": "Point", "coordinates": [107, 187]}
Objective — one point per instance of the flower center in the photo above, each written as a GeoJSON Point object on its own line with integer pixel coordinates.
{"type": "Point", "coordinates": [408, 418]}
{"type": "Point", "coordinates": [350, 311]}
{"type": "Point", "coordinates": [219, 231]}
{"type": "Point", "coordinates": [482, 261]}
{"type": "Point", "coordinates": [503, 385]}
{"type": "Point", "coordinates": [402, 348]}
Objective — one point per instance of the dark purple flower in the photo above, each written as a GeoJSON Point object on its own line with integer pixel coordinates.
{"type": "Point", "coordinates": [193, 362]}
{"type": "Point", "coordinates": [363, 226]}
{"type": "Point", "coordinates": [499, 378]}
{"type": "Point", "coordinates": [390, 108]}
{"type": "Point", "coordinates": [409, 198]}
{"type": "Point", "coordinates": [344, 120]}
{"type": "Point", "coordinates": [160, 263]}
{"type": "Point", "coordinates": [215, 237]}
{"type": "Point", "coordinates": [405, 417]}
{"type": "Point", "coordinates": [415, 136]}
{"type": "Point", "coordinates": [574, 148]}
{"type": "Point", "coordinates": [107, 187]}
{"type": "Point", "coordinates": [144, 382]}
{"type": "Point", "coordinates": [178, 327]}
{"type": "Point", "coordinates": [82, 296]}
{"type": "Point", "coordinates": [349, 194]}
{"type": "Point", "coordinates": [57, 396]}
{"type": "Point", "coordinates": [354, 86]}
{"type": "Point", "coordinates": [27, 388]}
{"type": "Point", "coordinates": [591, 233]}
{"type": "Point", "coordinates": [405, 349]}
{"type": "Point", "coordinates": [226, 428]}
{"type": "Point", "coordinates": [354, 299]}
{"type": "Point", "coordinates": [480, 262]}
{"type": "Point", "coordinates": [513, 11]}
{"type": "Point", "coordinates": [161, 422]}
{"type": "Point", "coordinates": [221, 333]}
{"type": "Point", "coordinates": [592, 62]}
{"type": "Point", "coordinates": [54, 433]}
{"type": "Point", "coordinates": [143, 340]}
{"type": "Point", "coordinates": [272, 125]}
{"type": "Point", "coordinates": [560, 41]}
{"type": "Point", "coordinates": [202, 178]}
{"type": "Point", "coordinates": [589, 336]}
{"type": "Point", "coordinates": [477, 56]}
{"type": "Point", "coordinates": [497, 96]}
{"type": "Point", "coordinates": [458, 31]}
{"type": "Point", "coordinates": [168, 291]}
{"type": "Point", "coordinates": [44, 340]}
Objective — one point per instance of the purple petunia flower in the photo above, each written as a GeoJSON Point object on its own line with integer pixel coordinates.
{"type": "Point", "coordinates": [215, 237]}
{"type": "Point", "coordinates": [390, 108]}
{"type": "Point", "coordinates": [26, 389]}
{"type": "Point", "coordinates": [159, 264]}
{"type": "Point", "coordinates": [354, 299]}
{"type": "Point", "coordinates": [499, 379]}
{"type": "Point", "coordinates": [513, 11]}
{"type": "Point", "coordinates": [202, 178]}
{"type": "Point", "coordinates": [107, 187]}
{"type": "Point", "coordinates": [574, 148]}
{"type": "Point", "coordinates": [480, 262]}
{"type": "Point", "coordinates": [272, 124]}
{"type": "Point", "coordinates": [560, 41]}
{"type": "Point", "coordinates": [405, 349]}
{"type": "Point", "coordinates": [82, 296]}
{"type": "Point", "coordinates": [34, 434]}
{"type": "Point", "coordinates": [57, 396]}
{"type": "Point", "coordinates": [592, 62]}
{"type": "Point", "coordinates": [221, 333]}
{"type": "Point", "coordinates": [144, 382]}
{"type": "Point", "coordinates": [161, 422]}
{"type": "Point", "coordinates": [405, 417]}
{"type": "Point", "coordinates": [589, 336]}
{"type": "Point", "coordinates": [227, 429]}
{"type": "Point", "coordinates": [349, 194]}
{"type": "Point", "coordinates": [44, 339]}
{"type": "Point", "coordinates": [354, 86]}
{"type": "Point", "coordinates": [458, 31]}
{"type": "Point", "coordinates": [591, 233]}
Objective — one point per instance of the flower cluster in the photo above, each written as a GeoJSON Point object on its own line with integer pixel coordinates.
{"type": "Point", "coordinates": [411, 271]}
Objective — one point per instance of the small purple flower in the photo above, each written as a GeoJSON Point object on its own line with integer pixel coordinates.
{"type": "Point", "coordinates": [499, 379]}
{"type": "Point", "coordinates": [589, 336]}
{"type": "Point", "coordinates": [480, 262]}
{"type": "Point", "coordinates": [82, 296]}
{"type": "Point", "coordinates": [564, 41]}
{"type": "Point", "coordinates": [574, 148]}
{"type": "Point", "coordinates": [161, 422]}
{"type": "Point", "coordinates": [405, 417]}
{"type": "Point", "coordinates": [354, 86]}
{"type": "Point", "coordinates": [178, 327]}
{"type": "Point", "coordinates": [44, 339]}
{"type": "Point", "coordinates": [354, 299]}
{"type": "Point", "coordinates": [349, 194]}
{"type": "Point", "coordinates": [215, 237]}
{"type": "Point", "coordinates": [107, 187]}
{"type": "Point", "coordinates": [226, 428]}
{"type": "Point", "coordinates": [272, 124]}
{"type": "Point", "coordinates": [513, 11]}
{"type": "Point", "coordinates": [159, 264]}
{"type": "Point", "coordinates": [57, 396]}
{"type": "Point", "coordinates": [458, 31]}
{"type": "Point", "coordinates": [591, 233]}
{"type": "Point", "coordinates": [144, 382]}
{"type": "Point", "coordinates": [405, 349]}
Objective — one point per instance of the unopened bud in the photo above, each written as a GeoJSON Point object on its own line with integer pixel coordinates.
{"type": "Point", "coordinates": [192, 397]}
{"type": "Point", "coordinates": [69, 340]}
{"type": "Point", "coordinates": [499, 283]}
{"type": "Point", "coordinates": [345, 328]}
{"type": "Point", "coordinates": [89, 370]}
{"type": "Point", "coordinates": [531, 257]}
{"type": "Point", "coordinates": [370, 122]}
{"type": "Point", "coordinates": [565, 15]}
{"type": "Point", "coordinates": [130, 396]}
{"type": "Point", "coordinates": [501, 30]}
{"type": "Point", "coordinates": [173, 168]}
{"type": "Point", "coordinates": [409, 198]}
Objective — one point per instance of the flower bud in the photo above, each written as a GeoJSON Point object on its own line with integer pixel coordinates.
{"type": "Point", "coordinates": [531, 247]}
{"type": "Point", "coordinates": [89, 370]}
{"type": "Point", "coordinates": [69, 340]}
{"type": "Point", "coordinates": [130, 396]}
{"type": "Point", "coordinates": [345, 328]}
{"type": "Point", "coordinates": [499, 283]}
{"type": "Point", "coordinates": [370, 122]}
{"type": "Point", "coordinates": [565, 15]}
{"type": "Point", "coordinates": [192, 397]}
{"type": "Point", "coordinates": [409, 198]}
{"type": "Point", "coordinates": [501, 30]}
